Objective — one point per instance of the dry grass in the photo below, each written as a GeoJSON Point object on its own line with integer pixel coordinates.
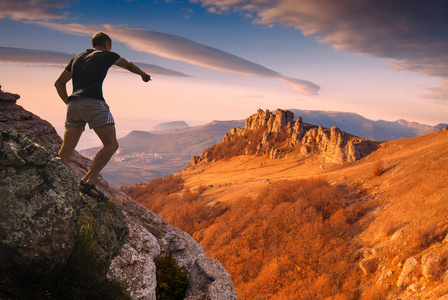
{"type": "Point", "coordinates": [409, 195]}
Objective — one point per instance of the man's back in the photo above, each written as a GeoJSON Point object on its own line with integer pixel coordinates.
{"type": "Point", "coordinates": [88, 71]}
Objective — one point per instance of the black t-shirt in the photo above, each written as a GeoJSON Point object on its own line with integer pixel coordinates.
{"type": "Point", "coordinates": [88, 71]}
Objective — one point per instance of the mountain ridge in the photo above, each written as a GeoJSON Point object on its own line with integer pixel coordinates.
{"type": "Point", "coordinates": [161, 156]}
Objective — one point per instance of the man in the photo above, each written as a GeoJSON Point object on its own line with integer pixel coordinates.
{"type": "Point", "coordinates": [87, 105]}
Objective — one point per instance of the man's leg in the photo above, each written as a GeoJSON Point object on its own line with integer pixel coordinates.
{"type": "Point", "coordinates": [71, 139]}
{"type": "Point", "coordinates": [108, 137]}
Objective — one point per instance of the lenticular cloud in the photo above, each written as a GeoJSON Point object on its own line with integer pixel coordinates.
{"type": "Point", "coordinates": [186, 50]}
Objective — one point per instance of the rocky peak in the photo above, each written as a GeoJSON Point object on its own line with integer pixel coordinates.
{"type": "Point", "coordinates": [277, 134]}
{"type": "Point", "coordinates": [274, 122]}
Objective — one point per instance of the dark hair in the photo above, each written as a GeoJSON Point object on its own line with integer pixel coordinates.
{"type": "Point", "coordinates": [100, 38]}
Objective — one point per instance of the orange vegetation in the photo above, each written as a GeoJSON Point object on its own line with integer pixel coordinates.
{"type": "Point", "coordinates": [291, 241]}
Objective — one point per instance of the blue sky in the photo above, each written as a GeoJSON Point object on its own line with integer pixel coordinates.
{"type": "Point", "coordinates": [224, 59]}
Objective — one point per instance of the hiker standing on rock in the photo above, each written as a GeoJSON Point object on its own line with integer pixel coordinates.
{"type": "Point", "coordinates": [87, 105]}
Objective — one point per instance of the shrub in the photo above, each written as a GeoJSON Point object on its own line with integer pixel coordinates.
{"type": "Point", "coordinates": [292, 240]}
{"type": "Point", "coordinates": [378, 168]}
{"type": "Point", "coordinates": [172, 280]}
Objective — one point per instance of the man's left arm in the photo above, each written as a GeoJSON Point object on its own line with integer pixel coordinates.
{"type": "Point", "coordinates": [121, 62]}
{"type": "Point", "coordinates": [61, 85]}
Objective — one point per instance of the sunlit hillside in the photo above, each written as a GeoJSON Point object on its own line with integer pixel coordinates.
{"type": "Point", "coordinates": [298, 227]}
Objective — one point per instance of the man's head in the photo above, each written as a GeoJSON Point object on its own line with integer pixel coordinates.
{"type": "Point", "coordinates": [100, 39]}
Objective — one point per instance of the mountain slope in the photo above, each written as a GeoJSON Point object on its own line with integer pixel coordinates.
{"type": "Point", "coordinates": [390, 235]}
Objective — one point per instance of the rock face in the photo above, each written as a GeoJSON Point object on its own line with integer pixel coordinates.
{"type": "Point", "coordinates": [13, 116]}
{"type": "Point", "coordinates": [38, 207]}
{"type": "Point", "coordinates": [278, 134]}
{"type": "Point", "coordinates": [148, 236]}
{"type": "Point", "coordinates": [41, 210]}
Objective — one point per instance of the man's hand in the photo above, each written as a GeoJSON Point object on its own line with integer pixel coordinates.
{"type": "Point", "coordinates": [121, 62]}
{"type": "Point", "coordinates": [60, 85]}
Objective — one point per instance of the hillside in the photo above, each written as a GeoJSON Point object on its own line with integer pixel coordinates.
{"type": "Point", "coordinates": [372, 228]}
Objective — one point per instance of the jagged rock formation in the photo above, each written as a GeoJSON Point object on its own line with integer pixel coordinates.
{"type": "Point", "coordinates": [278, 134]}
{"type": "Point", "coordinates": [149, 234]}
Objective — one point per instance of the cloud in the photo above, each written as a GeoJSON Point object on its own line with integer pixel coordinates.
{"type": "Point", "coordinates": [22, 56]}
{"type": "Point", "coordinates": [183, 49]}
{"type": "Point", "coordinates": [32, 9]}
{"type": "Point", "coordinates": [413, 33]}
{"type": "Point", "coordinates": [438, 95]}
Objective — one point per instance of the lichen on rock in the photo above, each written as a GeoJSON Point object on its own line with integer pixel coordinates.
{"type": "Point", "coordinates": [39, 203]}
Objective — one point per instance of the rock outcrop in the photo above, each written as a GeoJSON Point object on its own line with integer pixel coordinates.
{"type": "Point", "coordinates": [38, 207]}
{"type": "Point", "coordinates": [13, 116]}
{"type": "Point", "coordinates": [278, 134]}
{"type": "Point", "coordinates": [41, 211]}
{"type": "Point", "coordinates": [149, 235]}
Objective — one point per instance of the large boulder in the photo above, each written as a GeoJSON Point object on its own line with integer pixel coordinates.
{"type": "Point", "coordinates": [42, 212]}
{"type": "Point", "coordinates": [39, 203]}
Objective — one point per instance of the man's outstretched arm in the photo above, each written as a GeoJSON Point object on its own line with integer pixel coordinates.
{"type": "Point", "coordinates": [61, 85]}
{"type": "Point", "coordinates": [121, 62]}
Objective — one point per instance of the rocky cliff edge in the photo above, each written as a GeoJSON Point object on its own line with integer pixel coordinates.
{"type": "Point", "coordinates": [41, 205]}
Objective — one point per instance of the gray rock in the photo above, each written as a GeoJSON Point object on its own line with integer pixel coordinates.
{"type": "Point", "coordinates": [41, 211]}
{"type": "Point", "coordinates": [208, 277]}
{"type": "Point", "coordinates": [38, 207]}
{"type": "Point", "coordinates": [105, 220]}
{"type": "Point", "coordinates": [136, 262]}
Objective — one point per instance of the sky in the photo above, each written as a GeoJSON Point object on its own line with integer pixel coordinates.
{"type": "Point", "coordinates": [224, 59]}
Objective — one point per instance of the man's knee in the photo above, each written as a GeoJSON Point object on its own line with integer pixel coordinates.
{"type": "Point", "coordinates": [112, 147]}
{"type": "Point", "coordinates": [115, 146]}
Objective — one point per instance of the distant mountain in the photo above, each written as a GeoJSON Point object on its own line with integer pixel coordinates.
{"type": "Point", "coordinates": [171, 125]}
{"type": "Point", "coordinates": [146, 155]}
{"type": "Point", "coordinates": [358, 125]}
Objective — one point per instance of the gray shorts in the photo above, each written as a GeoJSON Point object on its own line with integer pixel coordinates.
{"type": "Point", "coordinates": [88, 110]}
